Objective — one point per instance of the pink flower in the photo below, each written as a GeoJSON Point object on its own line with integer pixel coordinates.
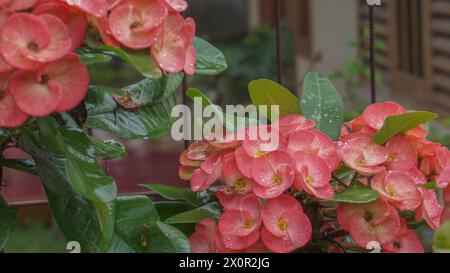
{"type": "Point", "coordinates": [202, 240]}
{"type": "Point", "coordinates": [402, 154]}
{"type": "Point", "coordinates": [104, 30]}
{"type": "Point", "coordinates": [55, 87]}
{"type": "Point", "coordinates": [74, 20]}
{"type": "Point", "coordinates": [444, 178]}
{"type": "Point", "coordinates": [27, 41]}
{"type": "Point", "coordinates": [97, 8]}
{"type": "Point", "coordinates": [375, 114]}
{"type": "Point", "coordinates": [239, 227]}
{"type": "Point", "coordinates": [208, 173]}
{"type": "Point", "coordinates": [286, 227]}
{"type": "Point", "coordinates": [376, 221]}
{"type": "Point", "coordinates": [363, 155]}
{"type": "Point", "coordinates": [10, 115]}
{"type": "Point", "coordinates": [317, 143]}
{"type": "Point", "coordinates": [313, 175]}
{"type": "Point", "coordinates": [446, 211]}
{"type": "Point", "coordinates": [237, 187]}
{"type": "Point", "coordinates": [273, 175]}
{"type": "Point", "coordinates": [174, 50]}
{"type": "Point", "coordinates": [138, 23]}
{"type": "Point", "coordinates": [291, 123]}
{"type": "Point", "coordinates": [399, 189]}
{"type": "Point", "coordinates": [430, 210]}
{"type": "Point", "coordinates": [406, 241]}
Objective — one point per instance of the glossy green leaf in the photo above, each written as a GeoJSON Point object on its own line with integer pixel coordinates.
{"type": "Point", "coordinates": [149, 112]}
{"type": "Point", "coordinates": [140, 60]}
{"type": "Point", "coordinates": [133, 215]}
{"type": "Point", "coordinates": [167, 239]}
{"type": "Point", "coordinates": [233, 123]}
{"type": "Point", "coordinates": [442, 239]}
{"type": "Point", "coordinates": [396, 125]}
{"type": "Point", "coordinates": [94, 58]}
{"type": "Point", "coordinates": [108, 149]}
{"type": "Point", "coordinates": [23, 165]}
{"type": "Point", "coordinates": [4, 135]}
{"type": "Point", "coordinates": [210, 61]}
{"type": "Point", "coordinates": [211, 210]}
{"type": "Point", "coordinates": [175, 193]}
{"type": "Point", "coordinates": [167, 209]}
{"type": "Point", "coordinates": [8, 220]}
{"type": "Point", "coordinates": [76, 216]}
{"type": "Point", "coordinates": [322, 103]}
{"type": "Point", "coordinates": [356, 194]}
{"type": "Point", "coordinates": [267, 93]}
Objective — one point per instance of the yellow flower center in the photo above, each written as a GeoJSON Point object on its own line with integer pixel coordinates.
{"type": "Point", "coordinates": [390, 157]}
{"type": "Point", "coordinates": [239, 185]}
{"type": "Point", "coordinates": [260, 154]}
{"type": "Point", "coordinates": [309, 180]}
{"type": "Point", "coordinates": [282, 225]}
{"type": "Point", "coordinates": [248, 224]}
{"type": "Point", "coordinates": [360, 162]}
{"type": "Point", "coordinates": [276, 180]}
{"type": "Point", "coordinates": [390, 192]}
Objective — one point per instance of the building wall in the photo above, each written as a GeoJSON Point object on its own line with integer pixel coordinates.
{"type": "Point", "coordinates": [334, 25]}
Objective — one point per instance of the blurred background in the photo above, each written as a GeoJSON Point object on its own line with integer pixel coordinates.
{"type": "Point", "coordinates": [328, 36]}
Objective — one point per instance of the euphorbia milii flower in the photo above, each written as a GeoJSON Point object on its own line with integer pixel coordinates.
{"type": "Point", "coordinates": [257, 247]}
{"type": "Point", "coordinates": [273, 175]}
{"type": "Point", "coordinates": [313, 175]}
{"type": "Point", "coordinates": [402, 154]}
{"type": "Point", "coordinates": [102, 26]}
{"type": "Point", "coordinates": [27, 41]}
{"type": "Point", "coordinates": [208, 173]}
{"type": "Point", "coordinates": [376, 221]}
{"type": "Point", "coordinates": [406, 241]}
{"type": "Point", "coordinates": [174, 51]}
{"type": "Point", "coordinates": [237, 187]}
{"type": "Point", "coordinates": [55, 87]}
{"type": "Point", "coordinates": [239, 227]}
{"type": "Point", "coordinates": [202, 240]}
{"type": "Point", "coordinates": [363, 155]}
{"type": "Point", "coordinates": [291, 123]}
{"type": "Point", "coordinates": [398, 188]}
{"type": "Point", "coordinates": [138, 23]}
{"type": "Point", "coordinates": [430, 210]}
{"type": "Point", "coordinates": [376, 114]}
{"type": "Point", "coordinates": [286, 227]}
{"type": "Point", "coordinates": [444, 178]}
{"type": "Point", "coordinates": [317, 143]}
{"type": "Point", "coordinates": [10, 114]}
{"type": "Point", "coordinates": [97, 8]}
{"type": "Point", "coordinates": [74, 20]}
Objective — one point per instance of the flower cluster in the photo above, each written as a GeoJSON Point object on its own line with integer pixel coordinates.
{"type": "Point", "coordinates": [39, 71]}
{"type": "Point", "coordinates": [265, 187]}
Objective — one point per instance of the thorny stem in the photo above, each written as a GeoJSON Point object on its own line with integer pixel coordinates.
{"type": "Point", "coordinates": [355, 178]}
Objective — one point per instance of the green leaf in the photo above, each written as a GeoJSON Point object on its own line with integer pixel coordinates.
{"type": "Point", "coordinates": [4, 136]}
{"type": "Point", "coordinates": [140, 60]}
{"type": "Point", "coordinates": [211, 210]}
{"type": "Point", "coordinates": [8, 220]}
{"type": "Point", "coordinates": [167, 209]}
{"type": "Point", "coordinates": [23, 165]}
{"type": "Point", "coordinates": [233, 123]}
{"type": "Point", "coordinates": [76, 216]}
{"type": "Point", "coordinates": [108, 149]}
{"type": "Point", "coordinates": [167, 239]}
{"type": "Point", "coordinates": [322, 103]}
{"type": "Point", "coordinates": [175, 193]}
{"type": "Point", "coordinates": [151, 118]}
{"type": "Point", "coordinates": [94, 58]}
{"type": "Point", "coordinates": [133, 215]}
{"type": "Point", "coordinates": [356, 194]}
{"type": "Point", "coordinates": [442, 239]}
{"type": "Point", "coordinates": [431, 186]}
{"type": "Point", "coordinates": [400, 124]}
{"type": "Point", "coordinates": [267, 93]}
{"type": "Point", "coordinates": [210, 61]}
